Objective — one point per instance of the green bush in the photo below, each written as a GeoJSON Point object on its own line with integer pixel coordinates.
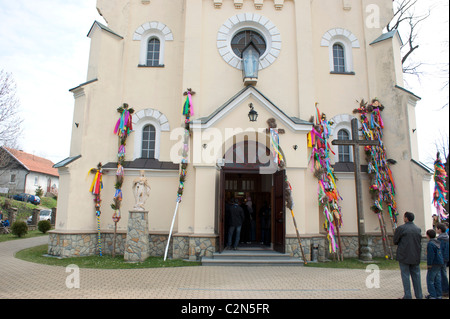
{"type": "Point", "coordinates": [19, 228]}
{"type": "Point", "coordinates": [39, 192]}
{"type": "Point", "coordinates": [44, 226]}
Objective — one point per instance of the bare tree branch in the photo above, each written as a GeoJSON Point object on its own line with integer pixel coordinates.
{"type": "Point", "coordinates": [406, 18]}
{"type": "Point", "coordinates": [441, 145]}
{"type": "Point", "coordinates": [10, 121]}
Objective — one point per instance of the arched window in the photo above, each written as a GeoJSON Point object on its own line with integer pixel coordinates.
{"type": "Point", "coordinates": [338, 58]}
{"type": "Point", "coordinates": [148, 141]}
{"type": "Point", "coordinates": [340, 43]}
{"type": "Point", "coordinates": [344, 150]}
{"type": "Point", "coordinates": [148, 124]}
{"type": "Point", "coordinates": [153, 52]}
{"type": "Point", "coordinates": [153, 36]}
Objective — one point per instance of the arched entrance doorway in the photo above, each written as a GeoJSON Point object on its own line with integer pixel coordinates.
{"type": "Point", "coordinates": [250, 175]}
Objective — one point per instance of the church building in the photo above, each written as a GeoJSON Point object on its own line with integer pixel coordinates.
{"type": "Point", "coordinates": [257, 77]}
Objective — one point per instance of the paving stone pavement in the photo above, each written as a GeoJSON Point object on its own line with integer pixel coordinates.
{"type": "Point", "coordinates": [24, 280]}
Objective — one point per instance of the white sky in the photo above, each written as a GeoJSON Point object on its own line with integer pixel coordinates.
{"type": "Point", "coordinates": [43, 43]}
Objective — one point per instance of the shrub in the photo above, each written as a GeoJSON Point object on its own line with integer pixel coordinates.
{"type": "Point", "coordinates": [19, 228]}
{"type": "Point", "coordinates": [44, 226]}
{"type": "Point", "coordinates": [39, 192]}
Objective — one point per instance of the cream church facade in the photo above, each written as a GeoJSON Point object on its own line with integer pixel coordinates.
{"type": "Point", "coordinates": [330, 52]}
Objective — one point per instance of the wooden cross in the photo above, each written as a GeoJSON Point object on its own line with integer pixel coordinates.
{"type": "Point", "coordinates": [364, 252]}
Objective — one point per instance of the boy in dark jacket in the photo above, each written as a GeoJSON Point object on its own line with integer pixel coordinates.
{"type": "Point", "coordinates": [435, 262]}
{"type": "Point", "coordinates": [441, 230]}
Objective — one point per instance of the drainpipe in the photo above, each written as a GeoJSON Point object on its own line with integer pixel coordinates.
{"type": "Point", "coordinates": [25, 184]}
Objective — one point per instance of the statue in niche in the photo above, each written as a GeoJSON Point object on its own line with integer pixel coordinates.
{"type": "Point", "coordinates": [141, 191]}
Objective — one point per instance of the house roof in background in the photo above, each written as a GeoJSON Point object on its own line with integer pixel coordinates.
{"type": "Point", "coordinates": [32, 162]}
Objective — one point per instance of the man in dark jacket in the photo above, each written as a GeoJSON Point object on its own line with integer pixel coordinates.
{"type": "Point", "coordinates": [236, 218]}
{"type": "Point", "coordinates": [408, 237]}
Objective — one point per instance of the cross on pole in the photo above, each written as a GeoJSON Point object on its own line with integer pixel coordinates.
{"type": "Point", "coordinates": [364, 250]}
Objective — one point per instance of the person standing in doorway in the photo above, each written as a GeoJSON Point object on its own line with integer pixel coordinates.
{"type": "Point", "coordinates": [236, 219]}
{"type": "Point", "coordinates": [408, 238]}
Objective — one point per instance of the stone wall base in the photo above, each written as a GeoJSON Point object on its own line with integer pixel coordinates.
{"type": "Point", "coordinates": [194, 247]}
{"type": "Point", "coordinates": [349, 246]}
{"type": "Point", "coordinates": [85, 244]}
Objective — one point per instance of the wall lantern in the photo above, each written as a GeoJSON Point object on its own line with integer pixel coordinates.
{"type": "Point", "coordinates": [250, 64]}
{"type": "Point", "coordinates": [252, 115]}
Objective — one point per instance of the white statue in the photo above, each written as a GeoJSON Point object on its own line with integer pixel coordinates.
{"type": "Point", "coordinates": [141, 190]}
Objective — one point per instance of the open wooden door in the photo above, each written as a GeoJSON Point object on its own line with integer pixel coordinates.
{"type": "Point", "coordinates": [278, 212]}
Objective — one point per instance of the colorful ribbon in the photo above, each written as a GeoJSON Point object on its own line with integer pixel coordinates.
{"type": "Point", "coordinates": [188, 111]}
{"type": "Point", "coordinates": [274, 142]}
{"type": "Point", "coordinates": [328, 194]}
{"type": "Point", "coordinates": [440, 191]}
{"type": "Point", "coordinates": [123, 128]}
{"type": "Point", "coordinates": [382, 185]}
{"type": "Point", "coordinates": [95, 189]}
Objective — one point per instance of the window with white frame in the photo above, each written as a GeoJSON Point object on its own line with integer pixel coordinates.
{"type": "Point", "coordinates": [238, 29]}
{"type": "Point", "coordinates": [148, 125]}
{"type": "Point", "coordinates": [153, 37]}
{"type": "Point", "coordinates": [341, 129]}
{"type": "Point", "coordinates": [340, 43]}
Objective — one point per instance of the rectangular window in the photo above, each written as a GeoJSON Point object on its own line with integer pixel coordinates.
{"type": "Point", "coordinates": [148, 142]}
{"type": "Point", "coordinates": [344, 150]}
{"type": "Point", "coordinates": [153, 50]}
{"type": "Point", "coordinates": [344, 153]}
{"type": "Point", "coordinates": [13, 178]}
{"type": "Point", "coordinates": [338, 58]}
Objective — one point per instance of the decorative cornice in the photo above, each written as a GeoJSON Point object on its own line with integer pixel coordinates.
{"type": "Point", "coordinates": [238, 4]}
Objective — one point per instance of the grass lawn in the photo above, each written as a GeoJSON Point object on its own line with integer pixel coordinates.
{"type": "Point", "coordinates": [31, 233]}
{"type": "Point", "coordinates": [25, 209]}
{"type": "Point", "coordinates": [37, 255]}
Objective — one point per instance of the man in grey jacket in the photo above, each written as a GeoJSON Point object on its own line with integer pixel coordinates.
{"type": "Point", "coordinates": [408, 237]}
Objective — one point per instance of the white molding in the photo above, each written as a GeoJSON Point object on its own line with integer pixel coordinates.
{"type": "Point", "coordinates": [249, 21]}
{"type": "Point", "coordinates": [251, 92]}
{"type": "Point", "coordinates": [336, 32]}
{"type": "Point", "coordinates": [155, 26]}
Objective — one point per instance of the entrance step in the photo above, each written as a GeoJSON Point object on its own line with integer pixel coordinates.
{"type": "Point", "coordinates": [251, 257]}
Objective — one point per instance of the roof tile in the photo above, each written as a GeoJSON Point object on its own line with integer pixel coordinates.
{"type": "Point", "coordinates": [34, 163]}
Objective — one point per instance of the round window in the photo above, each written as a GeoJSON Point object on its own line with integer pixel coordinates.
{"type": "Point", "coordinates": [243, 38]}
{"type": "Point", "coordinates": [244, 28]}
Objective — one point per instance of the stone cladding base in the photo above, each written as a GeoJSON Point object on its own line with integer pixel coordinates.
{"type": "Point", "coordinates": [194, 247]}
